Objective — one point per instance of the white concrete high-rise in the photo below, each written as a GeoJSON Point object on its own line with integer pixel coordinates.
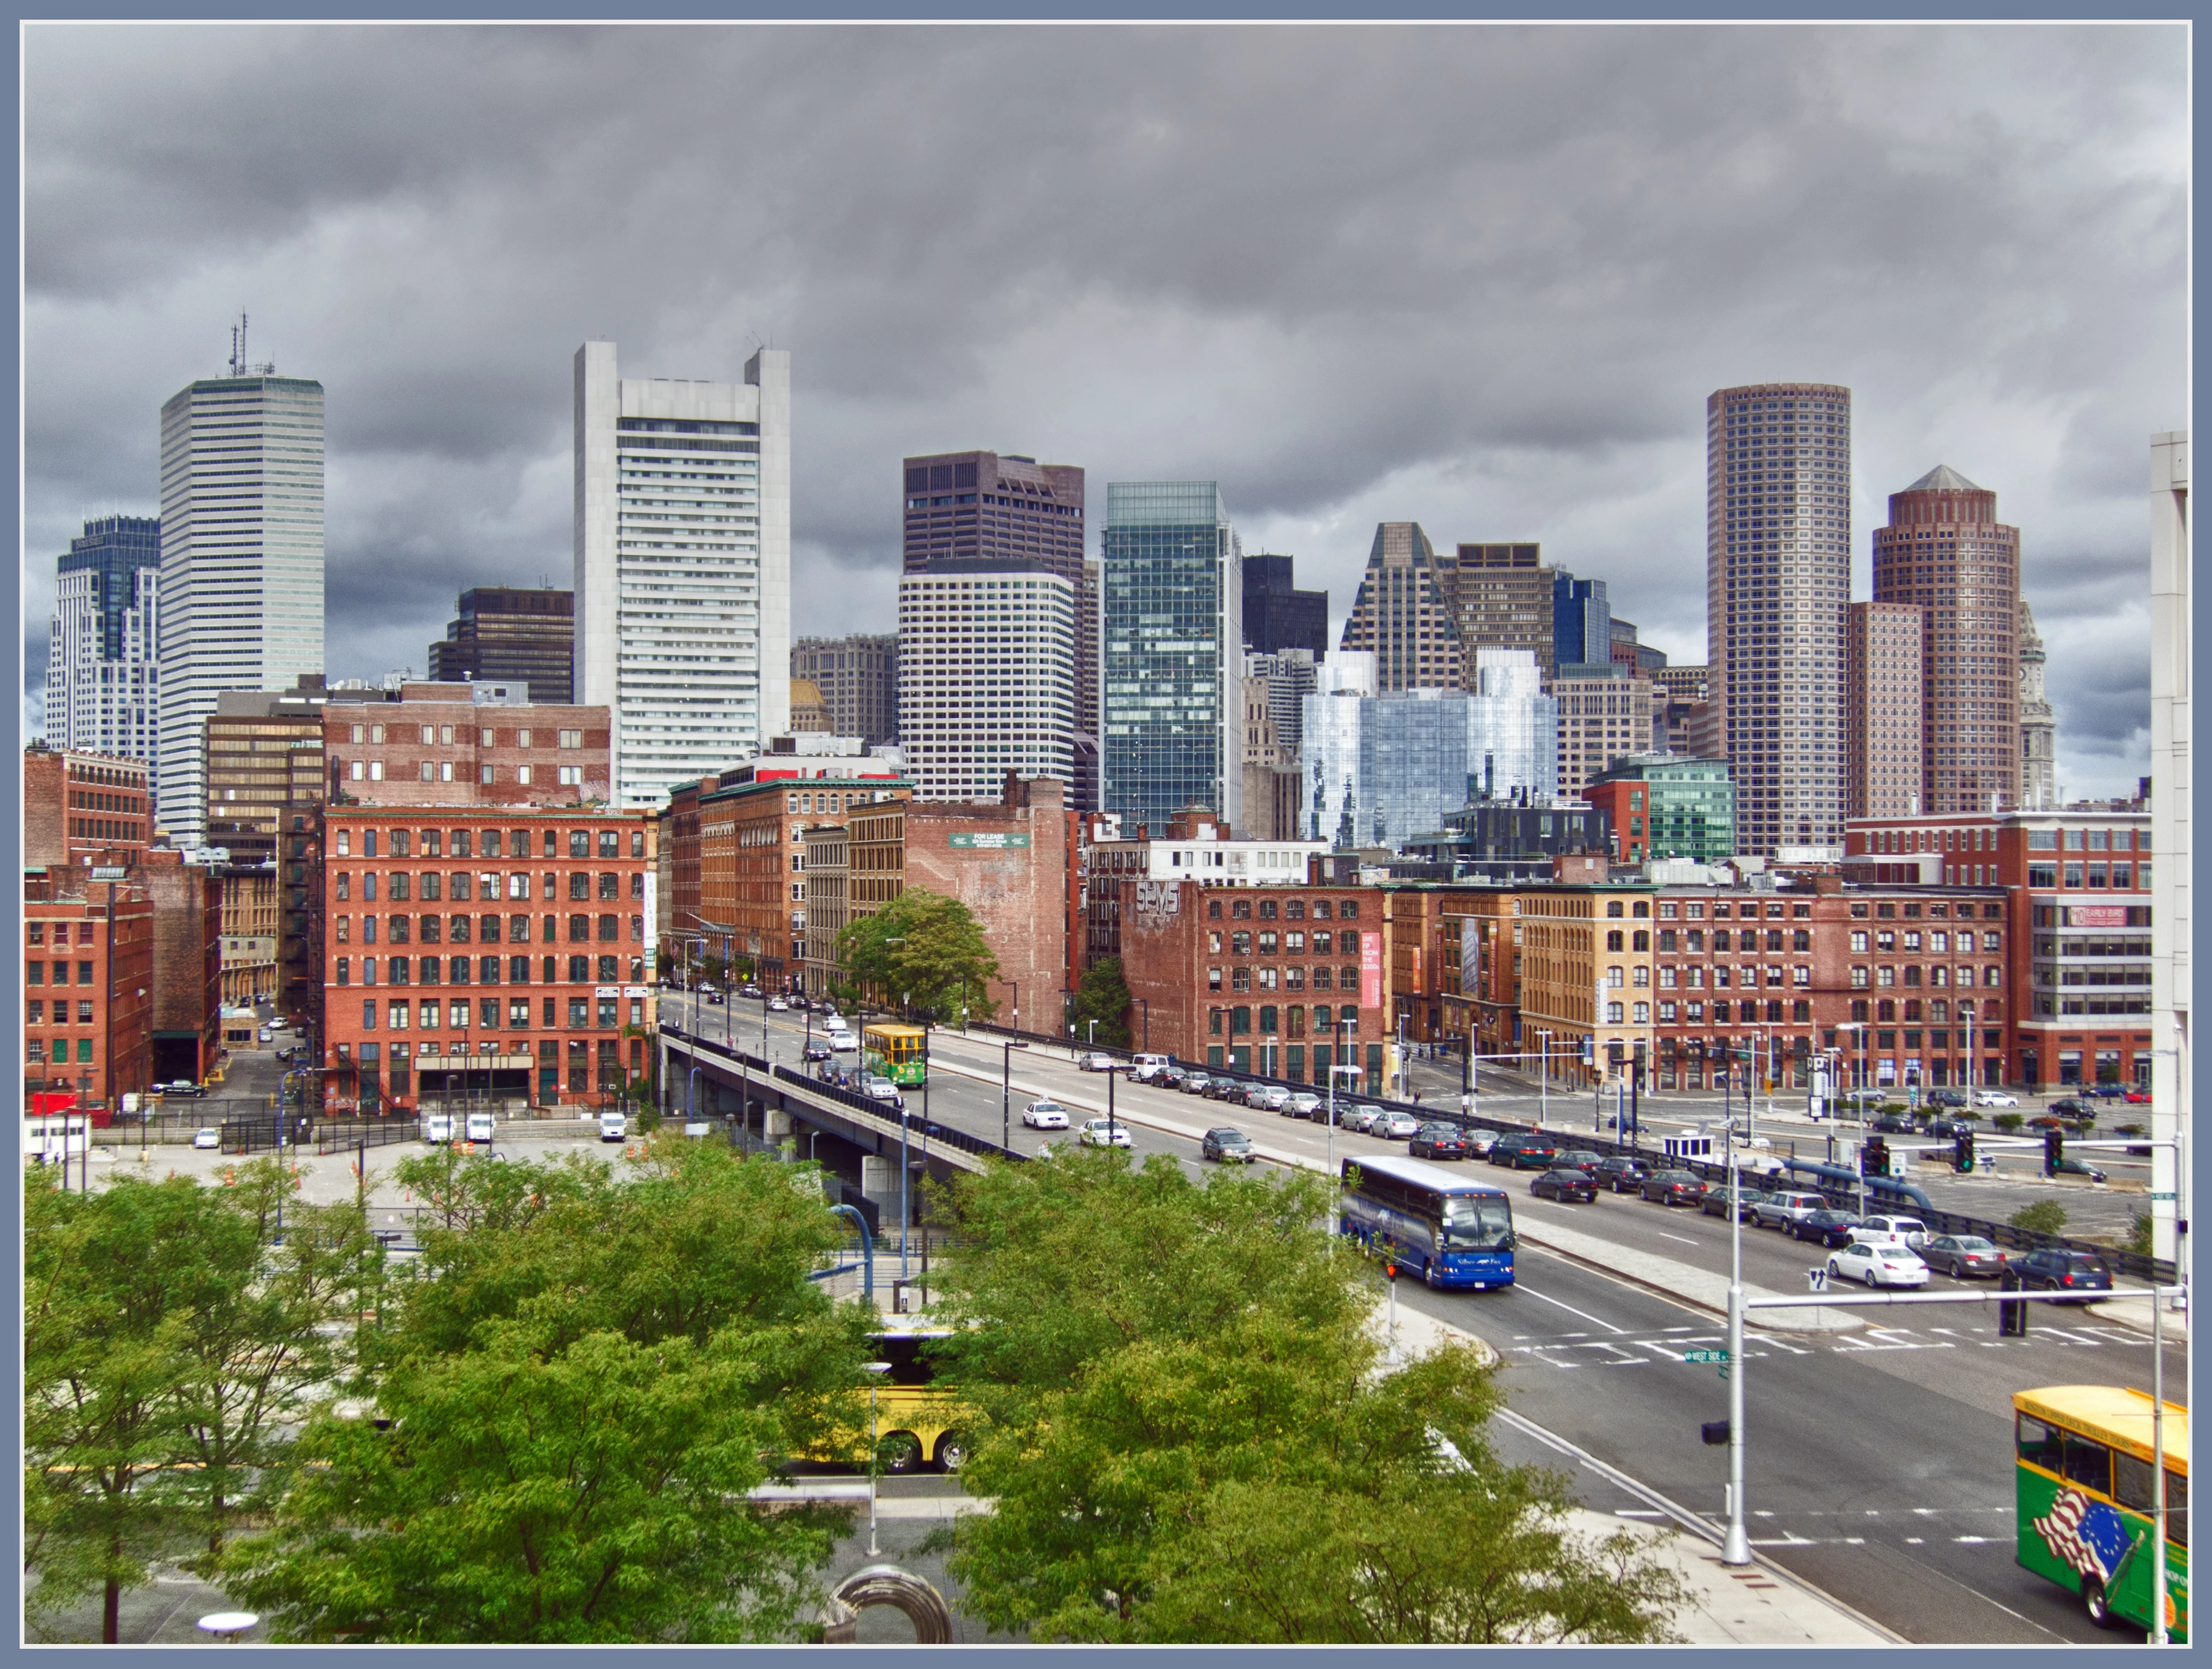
{"type": "Point", "coordinates": [241, 591]}
{"type": "Point", "coordinates": [103, 666]}
{"type": "Point", "coordinates": [683, 566]}
{"type": "Point", "coordinates": [1778, 577]}
{"type": "Point", "coordinates": [986, 676]}
{"type": "Point", "coordinates": [2172, 1075]}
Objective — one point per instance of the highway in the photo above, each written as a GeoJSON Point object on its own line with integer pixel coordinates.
{"type": "Point", "coordinates": [1879, 1461]}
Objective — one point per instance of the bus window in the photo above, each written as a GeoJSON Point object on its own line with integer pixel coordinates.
{"type": "Point", "coordinates": [2177, 1509]}
{"type": "Point", "coordinates": [2131, 1479]}
{"type": "Point", "coordinates": [2039, 1443]}
{"type": "Point", "coordinates": [2088, 1464]}
{"type": "Point", "coordinates": [1479, 1224]}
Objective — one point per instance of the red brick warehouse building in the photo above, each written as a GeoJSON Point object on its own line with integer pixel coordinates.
{"type": "Point", "coordinates": [88, 982]}
{"type": "Point", "coordinates": [505, 949]}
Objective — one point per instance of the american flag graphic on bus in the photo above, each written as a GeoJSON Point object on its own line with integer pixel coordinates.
{"type": "Point", "coordinates": [2087, 1535]}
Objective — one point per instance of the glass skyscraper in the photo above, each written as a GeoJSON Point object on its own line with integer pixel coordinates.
{"type": "Point", "coordinates": [241, 561]}
{"type": "Point", "coordinates": [103, 675]}
{"type": "Point", "coordinates": [1174, 659]}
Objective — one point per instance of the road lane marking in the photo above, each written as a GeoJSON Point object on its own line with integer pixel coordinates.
{"type": "Point", "coordinates": [1522, 1286]}
{"type": "Point", "coordinates": [1683, 1239]}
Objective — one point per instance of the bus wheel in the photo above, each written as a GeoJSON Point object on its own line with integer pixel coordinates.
{"type": "Point", "coordinates": [901, 1453]}
{"type": "Point", "coordinates": [2094, 1602]}
{"type": "Point", "coordinates": [952, 1451]}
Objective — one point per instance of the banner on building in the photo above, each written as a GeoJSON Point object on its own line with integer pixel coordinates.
{"type": "Point", "coordinates": [1157, 901]}
{"type": "Point", "coordinates": [990, 842]}
{"type": "Point", "coordinates": [2096, 915]}
{"type": "Point", "coordinates": [1371, 970]}
{"type": "Point", "coordinates": [1470, 956]}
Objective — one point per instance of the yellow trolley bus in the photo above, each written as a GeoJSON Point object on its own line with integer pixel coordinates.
{"type": "Point", "coordinates": [2083, 1476]}
{"type": "Point", "coordinates": [898, 1052]}
{"type": "Point", "coordinates": [918, 1420]}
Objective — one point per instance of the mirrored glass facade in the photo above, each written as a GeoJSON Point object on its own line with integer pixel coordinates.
{"type": "Point", "coordinates": [1174, 656]}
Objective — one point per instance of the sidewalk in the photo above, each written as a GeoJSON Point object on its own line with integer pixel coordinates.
{"type": "Point", "coordinates": [1755, 1606]}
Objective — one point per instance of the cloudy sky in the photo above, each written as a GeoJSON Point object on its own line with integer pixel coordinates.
{"type": "Point", "coordinates": [1479, 277]}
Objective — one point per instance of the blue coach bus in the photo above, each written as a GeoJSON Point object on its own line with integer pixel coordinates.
{"type": "Point", "coordinates": [1434, 1222]}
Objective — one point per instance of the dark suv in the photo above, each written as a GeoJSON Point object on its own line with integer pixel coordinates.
{"type": "Point", "coordinates": [1524, 1152]}
{"type": "Point", "coordinates": [1622, 1173]}
{"type": "Point", "coordinates": [2055, 1270]}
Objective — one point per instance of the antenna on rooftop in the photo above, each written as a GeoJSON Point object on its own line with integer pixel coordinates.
{"type": "Point", "coordinates": [238, 347]}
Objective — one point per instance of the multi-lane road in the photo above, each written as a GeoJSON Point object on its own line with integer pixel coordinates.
{"type": "Point", "coordinates": [1879, 1460]}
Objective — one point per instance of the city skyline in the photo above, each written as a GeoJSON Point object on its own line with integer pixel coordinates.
{"type": "Point", "coordinates": [2060, 235]}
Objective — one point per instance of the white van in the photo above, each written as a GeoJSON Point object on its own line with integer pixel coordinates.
{"type": "Point", "coordinates": [613, 1127]}
{"type": "Point", "coordinates": [437, 1127]}
{"type": "Point", "coordinates": [1142, 1066]}
{"type": "Point", "coordinates": [480, 1127]}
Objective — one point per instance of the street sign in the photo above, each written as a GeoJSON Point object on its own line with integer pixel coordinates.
{"type": "Point", "coordinates": [1817, 1279]}
{"type": "Point", "coordinates": [2162, 1196]}
{"type": "Point", "coordinates": [1705, 1356]}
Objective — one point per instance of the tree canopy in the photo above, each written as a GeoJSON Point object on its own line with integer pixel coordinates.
{"type": "Point", "coordinates": [1182, 1418]}
{"type": "Point", "coordinates": [925, 952]}
{"type": "Point", "coordinates": [1103, 994]}
{"type": "Point", "coordinates": [593, 1371]}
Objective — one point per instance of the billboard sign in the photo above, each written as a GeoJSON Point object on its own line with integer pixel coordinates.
{"type": "Point", "coordinates": [989, 842]}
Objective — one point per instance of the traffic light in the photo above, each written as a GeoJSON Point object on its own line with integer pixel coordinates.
{"type": "Point", "coordinates": [2054, 1149]}
{"type": "Point", "coordinates": [1962, 1152]}
{"type": "Point", "coordinates": [1873, 1157]}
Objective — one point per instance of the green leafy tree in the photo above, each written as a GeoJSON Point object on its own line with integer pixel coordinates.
{"type": "Point", "coordinates": [923, 950]}
{"type": "Point", "coordinates": [2007, 1122]}
{"type": "Point", "coordinates": [2044, 1216]}
{"type": "Point", "coordinates": [1180, 1419]}
{"type": "Point", "coordinates": [1103, 994]}
{"type": "Point", "coordinates": [597, 1368]}
{"type": "Point", "coordinates": [170, 1349]}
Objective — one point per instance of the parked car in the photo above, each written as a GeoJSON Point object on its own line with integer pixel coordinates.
{"type": "Point", "coordinates": [1437, 1141]}
{"type": "Point", "coordinates": [207, 1136]}
{"type": "Point", "coordinates": [817, 1050]}
{"type": "Point", "coordinates": [2106, 1091]}
{"type": "Point", "coordinates": [1227, 1146]}
{"type": "Point", "coordinates": [1045, 1115]}
{"type": "Point", "coordinates": [1357, 1116]}
{"type": "Point", "coordinates": [1145, 1067]}
{"type": "Point", "coordinates": [1524, 1152]}
{"type": "Point", "coordinates": [1304, 1104]}
{"type": "Point", "coordinates": [1781, 1209]}
{"type": "Point", "coordinates": [1910, 1229]}
{"type": "Point", "coordinates": [1946, 1129]}
{"type": "Point", "coordinates": [1224, 1089]}
{"type": "Point", "coordinates": [183, 1090]}
{"type": "Point", "coordinates": [1996, 1098]}
{"type": "Point", "coordinates": [751, 991]}
{"type": "Point", "coordinates": [1269, 1098]}
{"type": "Point", "coordinates": [883, 1089]}
{"type": "Point", "coordinates": [2069, 1166]}
{"type": "Point", "coordinates": [1169, 1076]}
{"type": "Point", "coordinates": [1479, 1143]}
{"type": "Point", "coordinates": [1673, 1187]}
{"type": "Point", "coordinates": [777, 1005]}
{"type": "Point", "coordinates": [1897, 1124]}
{"type": "Point", "coordinates": [2055, 1270]}
{"type": "Point", "coordinates": [1877, 1265]}
{"type": "Point", "coordinates": [1964, 1257]}
{"type": "Point", "coordinates": [478, 1128]}
{"type": "Point", "coordinates": [1578, 1159]}
{"type": "Point", "coordinates": [1568, 1185]}
{"type": "Point", "coordinates": [1622, 1173]}
{"type": "Point", "coordinates": [1947, 1098]}
{"type": "Point", "coordinates": [1193, 1084]}
{"type": "Point", "coordinates": [2137, 1098]}
{"type": "Point", "coordinates": [1394, 1125]}
{"type": "Point", "coordinates": [2072, 1109]}
{"type": "Point", "coordinates": [1830, 1226]}
{"type": "Point", "coordinates": [1096, 1132]}
{"type": "Point", "coordinates": [1096, 1062]}
{"type": "Point", "coordinates": [1718, 1201]}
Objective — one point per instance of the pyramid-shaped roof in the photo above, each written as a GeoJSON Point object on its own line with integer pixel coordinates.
{"type": "Point", "coordinates": [1943, 479]}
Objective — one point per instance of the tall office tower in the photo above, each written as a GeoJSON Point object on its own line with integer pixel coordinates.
{"type": "Point", "coordinates": [512, 635]}
{"type": "Point", "coordinates": [103, 670]}
{"type": "Point", "coordinates": [1945, 550]}
{"type": "Point", "coordinates": [1502, 597]}
{"type": "Point", "coordinates": [1290, 674]}
{"type": "Point", "coordinates": [683, 566]}
{"type": "Point", "coordinates": [1601, 719]}
{"type": "Point", "coordinates": [1174, 634]}
{"type": "Point", "coordinates": [987, 679]}
{"type": "Point", "coordinates": [1582, 628]}
{"type": "Point", "coordinates": [1777, 575]}
{"type": "Point", "coordinates": [2038, 725]}
{"type": "Point", "coordinates": [968, 505]}
{"type": "Point", "coordinates": [1404, 612]}
{"type": "Point", "coordinates": [1882, 717]}
{"type": "Point", "coordinates": [858, 680]}
{"type": "Point", "coordinates": [241, 558]}
{"type": "Point", "coordinates": [1277, 614]}
{"type": "Point", "coordinates": [1683, 690]}
{"type": "Point", "coordinates": [1631, 656]}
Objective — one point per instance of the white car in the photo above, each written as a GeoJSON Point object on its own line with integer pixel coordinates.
{"type": "Point", "coordinates": [1907, 1230]}
{"type": "Point", "coordinates": [1394, 1125]}
{"type": "Point", "coordinates": [1096, 1132]}
{"type": "Point", "coordinates": [1045, 1115]}
{"type": "Point", "coordinates": [843, 1043]}
{"type": "Point", "coordinates": [777, 1005]}
{"type": "Point", "coordinates": [207, 1136]}
{"type": "Point", "coordinates": [1878, 1264]}
{"type": "Point", "coordinates": [1996, 1098]}
{"type": "Point", "coordinates": [1142, 1067]}
{"type": "Point", "coordinates": [1096, 1062]}
{"type": "Point", "coordinates": [883, 1089]}
{"type": "Point", "coordinates": [613, 1127]}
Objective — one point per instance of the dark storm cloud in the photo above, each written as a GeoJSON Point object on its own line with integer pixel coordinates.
{"type": "Point", "coordinates": [1479, 277]}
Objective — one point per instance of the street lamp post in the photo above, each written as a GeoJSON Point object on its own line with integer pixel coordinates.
{"type": "Point", "coordinates": [1007, 1092]}
{"type": "Point", "coordinates": [1735, 1549]}
{"type": "Point", "coordinates": [1544, 1080]}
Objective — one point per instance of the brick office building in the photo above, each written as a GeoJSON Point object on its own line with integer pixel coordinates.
{"type": "Point", "coordinates": [88, 983]}
{"type": "Point", "coordinates": [480, 949]}
{"type": "Point", "coordinates": [1277, 979]}
{"type": "Point", "coordinates": [2077, 887]}
{"type": "Point", "coordinates": [81, 808]}
{"type": "Point", "coordinates": [462, 744]}
{"type": "Point", "coordinates": [187, 901]}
